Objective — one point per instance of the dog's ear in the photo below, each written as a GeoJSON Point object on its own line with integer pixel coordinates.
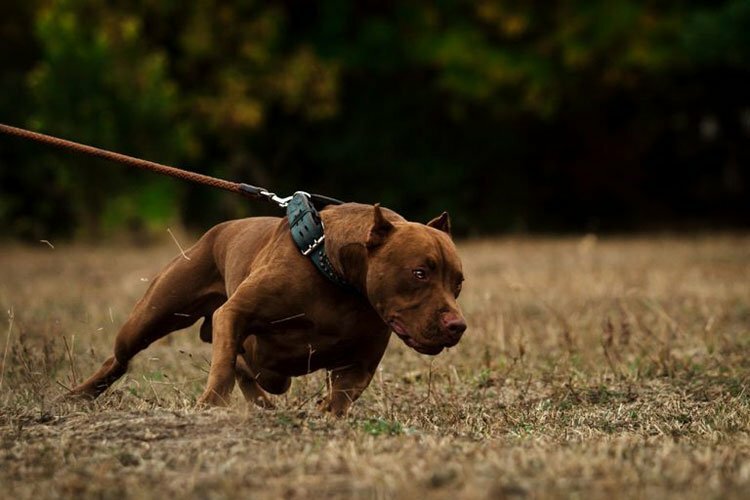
{"type": "Point", "coordinates": [380, 229]}
{"type": "Point", "coordinates": [442, 223]}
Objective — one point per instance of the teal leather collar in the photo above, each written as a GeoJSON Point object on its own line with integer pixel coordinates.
{"type": "Point", "coordinates": [308, 234]}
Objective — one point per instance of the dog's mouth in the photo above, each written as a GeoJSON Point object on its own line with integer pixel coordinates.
{"type": "Point", "coordinates": [421, 348]}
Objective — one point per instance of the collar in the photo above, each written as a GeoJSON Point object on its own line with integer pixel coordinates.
{"type": "Point", "coordinates": [308, 234]}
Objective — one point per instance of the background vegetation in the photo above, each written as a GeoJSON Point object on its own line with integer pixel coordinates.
{"type": "Point", "coordinates": [569, 115]}
{"type": "Point", "coordinates": [610, 368]}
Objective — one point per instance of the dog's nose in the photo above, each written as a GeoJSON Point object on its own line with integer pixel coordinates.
{"type": "Point", "coordinates": [454, 324]}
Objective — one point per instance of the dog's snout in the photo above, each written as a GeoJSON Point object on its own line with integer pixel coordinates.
{"type": "Point", "coordinates": [457, 327]}
{"type": "Point", "coordinates": [454, 324]}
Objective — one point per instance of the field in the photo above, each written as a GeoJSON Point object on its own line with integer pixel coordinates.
{"type": "Point", "coordinates": [592, 368]}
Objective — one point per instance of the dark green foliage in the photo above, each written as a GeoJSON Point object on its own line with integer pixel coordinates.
{"type": "Point", "coordinates": [512, 115]}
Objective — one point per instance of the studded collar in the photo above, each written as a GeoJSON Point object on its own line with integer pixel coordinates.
{"type": "Point", "coordinates": [308, 234]}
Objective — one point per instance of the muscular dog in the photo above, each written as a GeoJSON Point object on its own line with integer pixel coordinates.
{"type": "Point", "coordinates": [271, 315]}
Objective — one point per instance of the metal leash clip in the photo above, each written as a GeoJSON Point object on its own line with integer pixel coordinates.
{"type": "Point", "coordinates": [281, 202]}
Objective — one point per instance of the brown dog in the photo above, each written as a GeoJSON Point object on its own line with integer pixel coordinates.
{"type": "Point", "coordinates": [272, 315]}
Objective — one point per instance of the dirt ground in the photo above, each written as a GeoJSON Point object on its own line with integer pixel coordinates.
{"type": "Point", "coordinates": [591, 369]}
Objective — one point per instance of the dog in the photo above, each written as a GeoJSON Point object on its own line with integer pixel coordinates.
{"type": "Point", "coordinates": [271, 315]}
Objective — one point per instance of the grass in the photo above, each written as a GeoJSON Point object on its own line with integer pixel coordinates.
{"type": "Point", "coordinates": [592, 368]}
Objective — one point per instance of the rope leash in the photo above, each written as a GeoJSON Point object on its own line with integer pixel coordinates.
{"type": "Point", "coordinates": [246, 190]}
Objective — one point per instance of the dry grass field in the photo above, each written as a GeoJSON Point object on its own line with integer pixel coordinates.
{"type": "Point", "coordinates": [591, 368]}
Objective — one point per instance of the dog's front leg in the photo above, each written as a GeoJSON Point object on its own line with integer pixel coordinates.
{"type": "Point", "coordinates": [345, 385]}
{"type": "Point", "coordinates": [227, 332]}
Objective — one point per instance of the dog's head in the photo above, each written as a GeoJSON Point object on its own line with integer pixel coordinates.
{"type": "Point", "coordinates": [414, 277]}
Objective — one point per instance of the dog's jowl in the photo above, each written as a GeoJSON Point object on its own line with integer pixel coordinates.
{"type": "Point", "coordinates": [271, 314]}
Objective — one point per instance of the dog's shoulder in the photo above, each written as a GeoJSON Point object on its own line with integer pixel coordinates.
{"type": "Point", "coordinates": [358, 211]}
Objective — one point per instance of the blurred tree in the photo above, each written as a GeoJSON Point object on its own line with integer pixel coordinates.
{"type": "Point", "coordinates": [98, 83]}
{"type": "Point", "coordinates": [513, 115]}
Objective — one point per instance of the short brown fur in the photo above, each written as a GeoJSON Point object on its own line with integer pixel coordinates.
{"type": "Point", "coordinates": [271, 315]}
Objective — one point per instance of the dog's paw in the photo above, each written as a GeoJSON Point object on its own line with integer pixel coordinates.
{"type": "Point", "coordinates": [331, 408]}
{"type": "Point", "coordinates": [75, 396]}
{"type": "Point", "coordinates": [211, 399]}
{"type": "Point", "coordinates": [264, 402]}
{"type": "Point", "coordinates": [323, 405]}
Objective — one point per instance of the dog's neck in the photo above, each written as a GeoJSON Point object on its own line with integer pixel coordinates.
{"type": "Point", "coordinates": [347, 229]}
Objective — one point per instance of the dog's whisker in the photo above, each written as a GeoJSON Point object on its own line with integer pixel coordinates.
{"type": "Point", "coordinates": [288, 318]}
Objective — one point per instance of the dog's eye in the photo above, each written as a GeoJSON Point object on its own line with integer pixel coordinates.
{"type": "Point", "coordinates": [420, 274]}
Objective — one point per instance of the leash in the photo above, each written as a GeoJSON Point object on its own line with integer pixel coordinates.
{"type": "Point", "coordinates": [305, 224]}
{"type": "Point", "coordinates": [246, 190]}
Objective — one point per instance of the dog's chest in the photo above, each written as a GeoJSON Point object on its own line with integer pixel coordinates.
{"type": "Point", "coordinates": [295, 350]}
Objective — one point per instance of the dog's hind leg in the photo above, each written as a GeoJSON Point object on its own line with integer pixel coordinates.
{"type": "Point", "coordinates": [185, 291]}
